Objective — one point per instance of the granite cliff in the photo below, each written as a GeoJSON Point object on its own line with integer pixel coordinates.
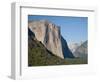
{"type": "Point", "coordinates": [50, 36]}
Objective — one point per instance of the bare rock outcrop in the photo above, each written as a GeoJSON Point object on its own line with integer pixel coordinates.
{"type": "Point", "coordinates": [50, 36]}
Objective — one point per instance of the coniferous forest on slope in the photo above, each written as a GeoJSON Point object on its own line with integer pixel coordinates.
{"type": "Point", "coordinates": [38, 55]}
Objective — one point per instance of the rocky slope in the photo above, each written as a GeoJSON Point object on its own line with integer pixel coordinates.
{"type": "Point", "coordinates": [38, 55]}
{"type": "Point", "coordinates": [82, 50]}
{"type": "Point", "coordinates": [50, 36]}
{"type": "Point", "coordinates": [73, 46]}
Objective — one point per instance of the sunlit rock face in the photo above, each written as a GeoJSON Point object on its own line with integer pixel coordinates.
{"type": "Point", "coordinates": [50, 36]}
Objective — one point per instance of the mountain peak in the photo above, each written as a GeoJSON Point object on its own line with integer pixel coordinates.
{"type": "Point", "coordinates": [50, 36]}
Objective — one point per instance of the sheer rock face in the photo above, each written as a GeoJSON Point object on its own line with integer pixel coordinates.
{"type": "Point", "coordinates": [49, 34]}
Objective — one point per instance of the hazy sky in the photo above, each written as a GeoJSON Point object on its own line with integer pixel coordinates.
{"type": "Point", "coordinates": [73, 29]}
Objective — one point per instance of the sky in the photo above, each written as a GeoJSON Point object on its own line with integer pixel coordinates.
{"type": "Point", "coordinates": [73, 29]}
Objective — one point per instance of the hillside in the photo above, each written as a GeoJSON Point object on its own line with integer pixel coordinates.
{"type": "Point", "coordinates": [50, 36]}
{"type": "Point", "coordinates": [38, 55]}
{"type": "Point", "coordinates": [46, 46]}
{"type": "Point", "coordinates": [82, 50]}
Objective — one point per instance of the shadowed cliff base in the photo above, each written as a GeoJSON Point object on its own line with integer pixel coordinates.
{"type": "Point", "coordinates": [66, 51]}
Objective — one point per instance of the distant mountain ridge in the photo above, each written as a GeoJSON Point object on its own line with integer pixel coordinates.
{"type": "Point", "coordinates": [82, 50]}
{"type": "Point", "coordinates": [73, 46]}
{"type": "Point", "coordinates": [50, 36]}
{"type": "Point", "coordinates": [79, 50]}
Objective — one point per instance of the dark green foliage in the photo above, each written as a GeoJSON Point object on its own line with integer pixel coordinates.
{"type": "Point", "coordinates": [38, 55]}
{"type": "Point", "coordinates": [76, 61]}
